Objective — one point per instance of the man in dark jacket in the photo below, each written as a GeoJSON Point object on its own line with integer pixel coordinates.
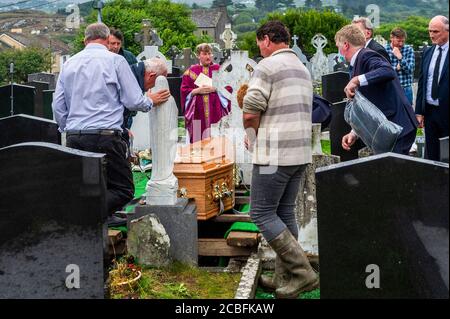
{"type": "Point", "coordinates": [116, 45]}
{"type": "Point", "coordinates": [432, 95]}
{"type": "Point", "coordinates": [374, 77]}
{"type": "Point", "coordinates": [367, 28]}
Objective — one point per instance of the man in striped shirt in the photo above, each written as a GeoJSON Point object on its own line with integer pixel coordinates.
{"type": "Point", "coordinates": [277, 118]}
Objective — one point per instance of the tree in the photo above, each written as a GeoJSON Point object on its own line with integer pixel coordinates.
{"type": "Point", "coordinates": [266, 5]}
{"type": "Point", "coordinates": [26, 61]}
{"type": "Point", "coordinates": [313, 4]}
{"type": "Point", "coordinates": [196, 6]}
{"type": "Point", "coordinates": [416, 29]}
{"type": "Point", "coordinates": [286, 4]}
{"type": "Point", "coordinates": [171, 20]}
{"type": "Point", "coordinates": [305, 24]}
{"type": "Point", "coordinates": [221, 3]}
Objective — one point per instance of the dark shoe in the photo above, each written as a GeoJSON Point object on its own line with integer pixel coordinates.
{"type": "Point", "coordinates": [302, 276]}
{"type": "Point", "coordinates": [115, 221]}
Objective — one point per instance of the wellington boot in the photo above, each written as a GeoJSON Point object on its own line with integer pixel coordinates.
{"type": "Point", "coordinates": [280, 277]}
{"type": "Point", "coordinates": [302, 276]}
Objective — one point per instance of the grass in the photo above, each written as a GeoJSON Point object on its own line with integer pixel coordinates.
{"type": "Point", "coordinates": [180, 281]}
{"type": "Point", "coordinates": [326, 146]}
{"type": "Point", "coordinates": [263, 294]}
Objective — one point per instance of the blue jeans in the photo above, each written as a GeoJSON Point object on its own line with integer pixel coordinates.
{"type": "Point", "coordinates": [409, 93]}
{"type": "Point", "coordinates": [273, 199]}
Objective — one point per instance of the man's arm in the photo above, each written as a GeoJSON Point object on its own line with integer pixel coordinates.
{"type": "Point", "coordinates": [59, 106]}
{"type": "Point", "coordinates": [251, 121]}
{"type": "Point", "coordinates": [419, 110]}
{"type": "Point", "coordinates": [130, 93]}
{"type": "Point", "coordinates": [256, 101]}
{"type": "Point", "coordinates": [407, 62]}
{"type": "Point", "coordinates": [380, 71]}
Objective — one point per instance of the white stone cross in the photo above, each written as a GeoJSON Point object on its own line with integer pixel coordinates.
{"type": "Point", "coordinates": [300, 54]}
{"type": "Point", "coordinates": [379, 38]}
{"type": "Point", "coordinates": [319, 60]}
{"type": "Point", "coordinates": [228, 37]}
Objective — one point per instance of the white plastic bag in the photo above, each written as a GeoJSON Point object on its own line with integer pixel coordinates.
{"type": "Point", "coordinates": [371, 125]}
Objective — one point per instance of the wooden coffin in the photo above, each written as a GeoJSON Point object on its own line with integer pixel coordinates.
{"type": "Point", "coordinates": [206, 174]}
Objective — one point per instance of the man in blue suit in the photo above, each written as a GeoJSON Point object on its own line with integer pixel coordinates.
{"type": "Point", "coordinates": [432, 93]}
{"type": "Point", "coordinates": [374, 77]}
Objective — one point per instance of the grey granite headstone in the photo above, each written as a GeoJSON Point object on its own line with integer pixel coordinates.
{"type": "Point", "coordinates": [383, 228]}
{"type": "Point", "coordinates": [185, 59]}
{"type": "Point", "coordinates": [333, 85]}
{"type": "Point", "coordinates": [23, 102]}
{"type": "Point", "coordinates": [39, 96]}
{"type": "Point", "coordinates": [180, 222]}
{"type": "Point", "coordinates": [338, 128]}
{"type": "Point", "coordinates": [52, 231]}
{"type": "Point", "coordinates": [147, 240]}
{"type": "Point", "coordinates": [26, 128]}
{"type": "Point", "coordinates": [443, 149]}
{"type": "Point", "coordinates": [49, 78]}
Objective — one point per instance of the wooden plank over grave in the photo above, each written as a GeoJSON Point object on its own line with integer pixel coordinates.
{"type": "Point", "coordinates": [219, 247]}
{"type": "Point", "coordinates": [242, 239]}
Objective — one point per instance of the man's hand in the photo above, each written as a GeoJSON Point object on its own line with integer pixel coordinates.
{"type": "Point", "coordinates": [420, 119]}
{"type": "Point", "coordinates": [396, 52]}
{"type": "Point", "coordinates": [158, 97]}
{"type": "Point", "coordinates": [203, 90]}
{"type": "Point", "coordinates": [351, 87]}
{"type": "Point", "coordinates": [348, 140]}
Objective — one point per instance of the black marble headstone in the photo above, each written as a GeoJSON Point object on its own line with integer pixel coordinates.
{"type": "Point", "coordinates": [43, 77]}
{"type": "Point", "coordinates": [23, 102]}
{"type": "Point", "coordinates": [338, 128]}
{"type": "Point", "coordinates": [333, 85]}
{"type": "Point", "coordinates": [48, 99]}
{"type": "Point", "coordinates": [26, 128]}
{"type": "Point", "coordinates": [175, 91]}
{"type": "Point", "coordinates": [383, 228]}
{"type": "Point", "coordinates": [176, 72]}
{"type": "Point", "coordinates": [39, 96]}
{"type": "Point", "coordinates": [52, 230]}
{"type": "Point", "coordinates": [443, 149]}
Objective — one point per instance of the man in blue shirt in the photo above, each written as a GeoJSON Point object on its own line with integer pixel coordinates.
{"type": "Point", "coordinates": [93, 88]}
{"type": "Point", "coordinates": [402, 60]}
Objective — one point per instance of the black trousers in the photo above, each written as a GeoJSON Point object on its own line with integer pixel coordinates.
{"type": "Point", "coordinates": [403, 144]}
{"type": "Point", "coordinates": [436, 126]}
{"type": "Point", "coordinates": [120, 187]}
